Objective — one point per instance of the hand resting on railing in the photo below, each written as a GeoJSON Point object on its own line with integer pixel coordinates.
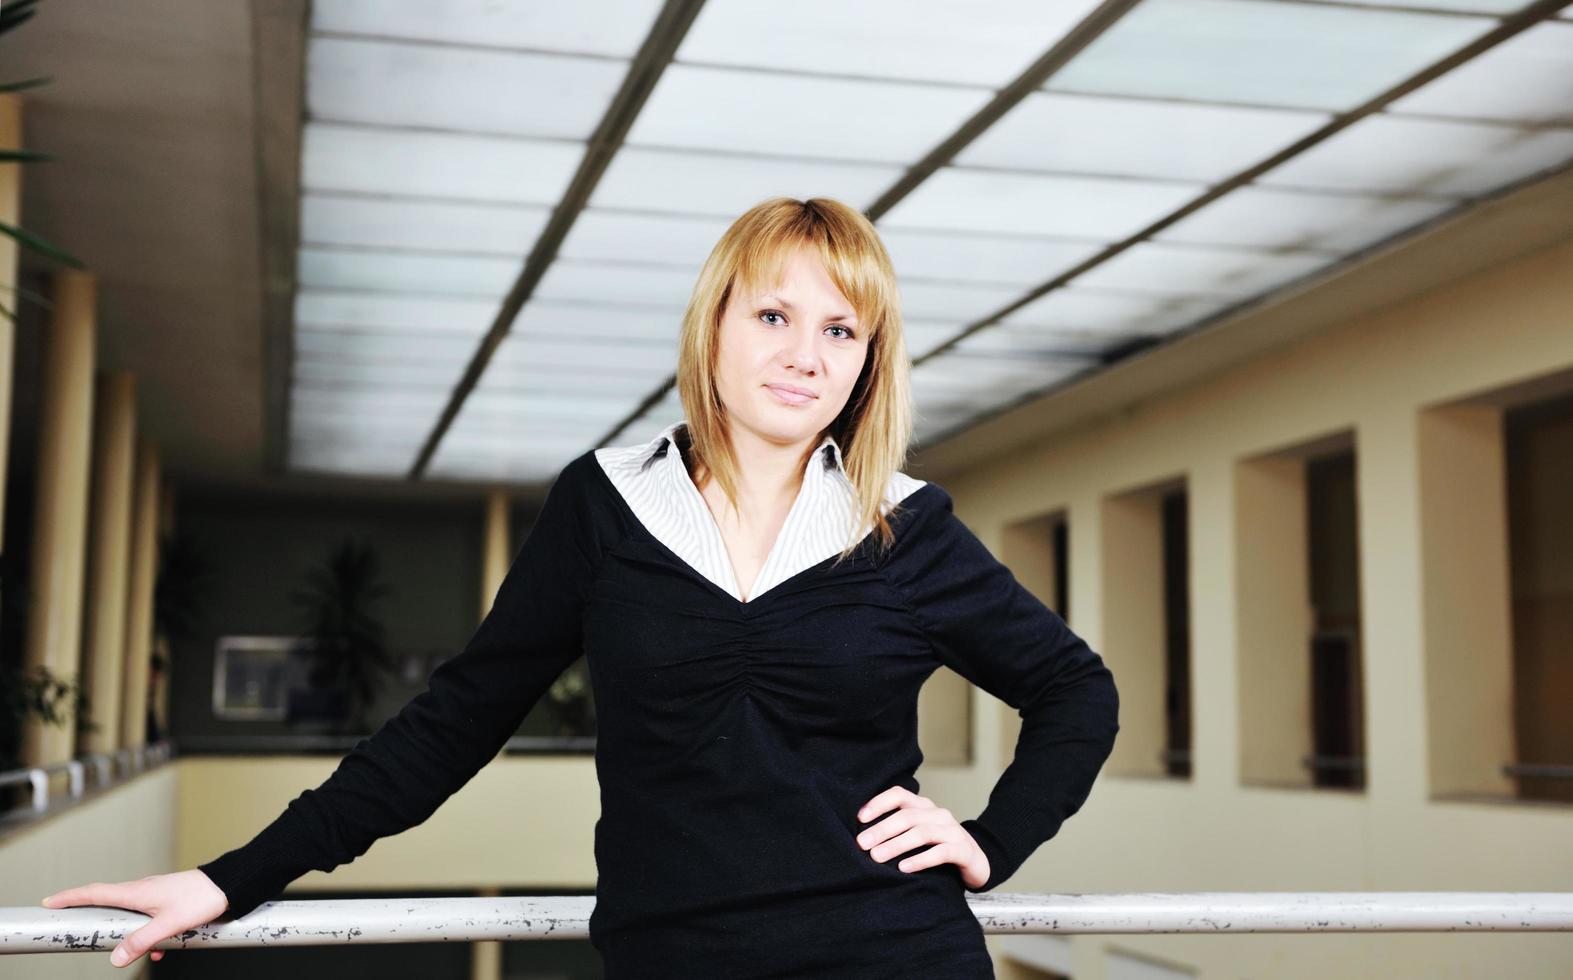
{"type": "Point", "coordinates": [177, 902]}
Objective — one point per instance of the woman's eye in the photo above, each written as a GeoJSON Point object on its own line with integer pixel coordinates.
{"type": "Point", "coordinates": [768, 313]}
{"type": "Point", "coordinates": [838, 326]}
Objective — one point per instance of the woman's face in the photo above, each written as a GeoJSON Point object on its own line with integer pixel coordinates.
{"type": "Point", "coordinates": [801, 335]}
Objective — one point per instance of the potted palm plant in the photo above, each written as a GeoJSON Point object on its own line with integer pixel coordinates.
{"type": "Point", "coordinates": [343, 635]}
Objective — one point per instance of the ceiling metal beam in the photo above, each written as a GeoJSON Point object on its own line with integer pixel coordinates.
{"type": "Point", "coordinates": [670, 27]}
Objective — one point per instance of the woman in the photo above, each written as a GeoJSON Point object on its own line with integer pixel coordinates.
{"type": "Point", "coordinates": [760, 594]}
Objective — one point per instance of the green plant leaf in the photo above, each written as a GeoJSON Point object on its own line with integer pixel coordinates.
{"type": "Point", "coordinates": [16, 14]}
{"type": "Point", "coordinates": [24, 156]}
{"type": "Point", "coordinates": [29, 295]}
{"type": "Point", "coordinates": [29, 240]}
{"type": "Point", "coordinates": [25, 84]}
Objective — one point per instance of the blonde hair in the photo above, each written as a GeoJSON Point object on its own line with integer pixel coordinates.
{"type": "Point", "coordinates": [874, 429]}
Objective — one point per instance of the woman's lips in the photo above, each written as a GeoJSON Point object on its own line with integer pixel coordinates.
{"type": "Point", "coordinates": [788, 397]}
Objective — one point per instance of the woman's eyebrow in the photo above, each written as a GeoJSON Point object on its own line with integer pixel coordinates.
{"type": "Point", "coordinates": [772, 298]}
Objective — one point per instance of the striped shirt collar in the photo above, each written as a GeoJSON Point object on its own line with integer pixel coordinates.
{"type": "Point", "coordinates": [653, 479]}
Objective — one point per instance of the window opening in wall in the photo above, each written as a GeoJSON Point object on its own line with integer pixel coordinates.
{"type": "Point", "coordinates": [1538, 446]}
{"type": "Point", "coordinates": [1177, 634]}
{"type": "Point", "coordinates": [1333, 553]}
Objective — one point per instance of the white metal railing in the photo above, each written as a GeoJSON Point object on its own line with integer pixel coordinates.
{"type": "Point", "coordinates": [412, 920]}
{"type": "Point", "coordinates": [128, 761]}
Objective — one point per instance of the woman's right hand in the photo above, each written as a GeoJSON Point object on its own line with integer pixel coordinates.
{"type": "Point", "coordinates": [177, 902]}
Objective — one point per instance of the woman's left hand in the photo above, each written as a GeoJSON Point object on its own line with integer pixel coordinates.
{"type": "Point", "coordinates": [915, 822]}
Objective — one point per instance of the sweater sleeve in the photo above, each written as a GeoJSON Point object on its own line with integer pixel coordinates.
{"type": "Point", "coordinates": [988, 628]}
{"type": "Point", "coordinates": [473, 703]}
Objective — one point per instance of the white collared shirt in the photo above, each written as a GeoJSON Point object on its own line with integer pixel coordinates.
{"type": "Point", "coordinates": [654, 480]}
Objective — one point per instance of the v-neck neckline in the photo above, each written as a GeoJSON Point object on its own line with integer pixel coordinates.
{"type": "Point", "coordinates": [736, 605]}
{"type": "Point", "coordinates": [718, 539]}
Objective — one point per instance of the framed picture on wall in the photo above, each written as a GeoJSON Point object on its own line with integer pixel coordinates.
{"type": "Point", "coordinates": [254, 675]}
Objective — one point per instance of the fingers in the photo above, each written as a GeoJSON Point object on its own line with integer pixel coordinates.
{"type": "Point", "coordinates": [141, 941]}
{"type": "Point", "coordinates": [889, 799]}
{"type": "Point", "coordinates": [97, 893]}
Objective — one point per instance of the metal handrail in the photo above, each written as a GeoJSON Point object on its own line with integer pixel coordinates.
{"type": "Point", "coordinates": [129, 761]}
{"type": "Point", "coordinates": [420, 920]}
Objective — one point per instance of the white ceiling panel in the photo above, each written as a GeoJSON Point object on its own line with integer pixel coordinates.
{"type": "Point", "coordinates": [405, 272]}
{"type": "Point", "coordinates": [1272, 218]}
{"type": "Point", "coordinates": [987, 43]}
{"type": "Point", "coordinates": [1087, 207]}
{"type": "Point", "coordinates": [1124, 312]}
{"type": "Point", "coordinates": [607, 27]}
{"type": "Point", "coordinates": [607, 282]}
{"type": "Point", "coordinates": [427, 226]}
{"type": "Point", "coordinates": [1527, 78]}
{"type": "Point", "coordinates": [442, 165]}
{"type": "Point", "coordinates": [543, 317]}
{"type": "Point", "coordinates": [1159, 267]}
{"type": "Point", "coordinates": [1022, 260]}
{"type": "Point", "coordinates": [383, 311]}
{"type": "Point", "coordinates": [800, 115]}
{"type": "Point", "coordinates": [1087, 134]}
{"type": "Point", "coordinates": [725, 185]}
{"type": "Point", "coordinates": [1262, 52]}
{"type": "Point", "coordinates": [952, 301]}
{"type": "Point", "coordinates": [513, 93]}
{"type": "Point", "coordinates": [1396, 153]}
{"type": "Point", "coordinates": [677, 240]}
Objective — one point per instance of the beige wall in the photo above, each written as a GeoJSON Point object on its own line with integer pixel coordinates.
{"type": "Point", "coordinates": [1372, 376]}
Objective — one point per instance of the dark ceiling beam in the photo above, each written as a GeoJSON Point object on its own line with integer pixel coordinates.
{"type": "Point", "coordinates": [278, 81]}
{"type": "Point", "coordinates": [670, 27]}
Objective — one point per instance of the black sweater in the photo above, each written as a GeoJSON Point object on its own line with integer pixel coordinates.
{"type": "Point", "coordinates": [736, 742]}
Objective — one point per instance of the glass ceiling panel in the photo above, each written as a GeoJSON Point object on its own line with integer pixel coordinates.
{"type": "Point", "coordinates": [497, 229]}
{"type": "Point", "coordinates": [1527, 78]}
{"type": "Point", "coordinates": [727, 185]}
{"type": "Point", "coordinates": [1258, 52]}
{"type": "Point", "coordinates": [443, 165]}
{"type": "Point", "coordinates": [1271, 218]}
{"type": "Point", "coordinates": [1087, 207]}
{"type": "Point", "coordinates": [607, 282]}
{"type": "Point", "coordinates": [523, 352]}
{"type": "Point", "coordinates": [404, 272]}
{"type": "Point", "coordinates": [923, 336]}
{"type": "Point", "coordinates": [982, 43]}
{"type": "Point", "coordinates": [1398, 153]}
{"type": "Point", "coordinates": [953, 301]}
{"type": "Point", "coordinates": [607, 27]}
{"type": "Point", "coordinates": [394, 374]}
{"type": "Point", "coordinates": [676, 240]}
{"type": "Point", "coordinates": [1158, 267]}
{"type": "Point", "coordinates": [399, 83]}
{"type": "Point", "coordinates": [696, 107]}
{"type": "Point", "coordinates": [373, 344]}
{"type": "Point", "coordinates": [1056, 131]}
{"type": "Point", "coordinates": [1465, 6]}
{"type": "Point", "coordinates": [337, 401]}
{"type": "Point", "coordinates": [1114, 312]}
{"type": "Point", "coordinates": [542, 317]}
{"type": "Point", "coordinates": [417, 314]}
{"type": "Point", "coordinates": [1019, 260]}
